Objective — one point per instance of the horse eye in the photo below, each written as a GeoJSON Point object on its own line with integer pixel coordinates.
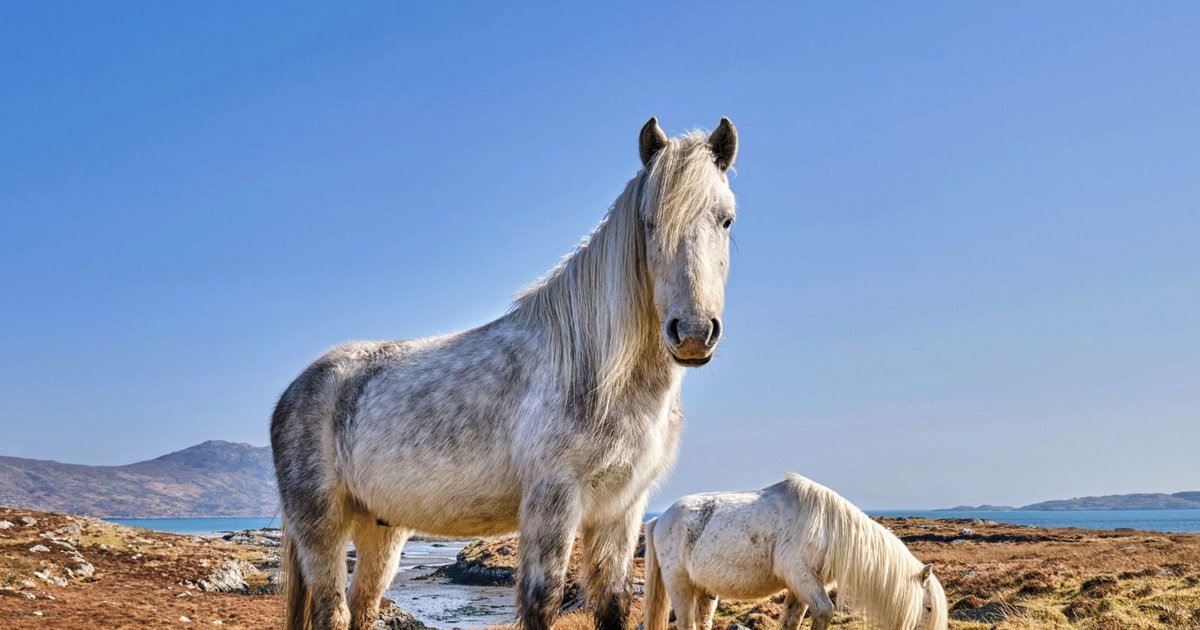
{"type": "Point", "coordinates": [727, 224]}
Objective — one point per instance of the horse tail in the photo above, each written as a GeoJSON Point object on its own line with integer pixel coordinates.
{"type": "Point", "coordinates": [296, 599]}
{"type": "Point", "coordinates": [656, 612]}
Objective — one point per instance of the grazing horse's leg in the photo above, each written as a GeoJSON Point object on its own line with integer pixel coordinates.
{"type": "Point", "coordinates": [550, 515]}
{"type": "Point", "coordinates": [793, 612]}
{"type": "Point", "coordinates": [607, 553]}
{"type": "Point", "coordinates": [378, 548]}
{"type": "Point", "coordinates": [706, 606]}
{"type": "Point", "coordinates": [808, 590]}
{"type": "Point", "coordinates": [683, 600]}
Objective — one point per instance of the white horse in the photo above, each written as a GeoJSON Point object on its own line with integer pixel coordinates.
{"type": "Point", "coordinates": [556, 418]}
{"type": "Point", "coordinates": [795, 535]}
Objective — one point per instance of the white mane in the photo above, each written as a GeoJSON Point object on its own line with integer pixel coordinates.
{"type": "Point", "coordinates": [596, 305]}
{"type": "Point", "coordinates": [874, 571]}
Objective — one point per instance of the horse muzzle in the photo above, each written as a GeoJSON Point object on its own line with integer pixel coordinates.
{"type": "Point", "coordinates": [692, 340]}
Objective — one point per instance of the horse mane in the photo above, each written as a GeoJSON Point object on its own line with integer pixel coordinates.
{"type": "Point", "coordinates": [596, 305]}
{"type": "Point", "coordinates": [875, 572]}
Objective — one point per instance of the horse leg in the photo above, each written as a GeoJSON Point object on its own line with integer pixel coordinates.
{"type": "Point", "coordinates": [809, 591]}
{"type": "Point", "coordinates": [607, 553]}
{"type": "Point", "coordinates": [322, 555]}
{"type": "Point", "coordinates": [793, 612]}
{"type": "Point", "coordinates": [378, 548]}
{"type": "Point", "coordinates": [683, 600]}
{"type": "Point", "coordinates": [550, 515]}
{"type": "Point", "coordinates": [706, 607]}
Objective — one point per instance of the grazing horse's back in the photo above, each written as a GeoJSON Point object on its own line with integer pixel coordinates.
{"type": "Point", "coordinates": [556, 418]}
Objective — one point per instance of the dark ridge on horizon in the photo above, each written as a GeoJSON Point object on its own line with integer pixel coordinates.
{"type": "Point", "coordinates": [1189, 500]}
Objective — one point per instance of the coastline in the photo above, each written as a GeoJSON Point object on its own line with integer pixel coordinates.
{"type": "Point", "coordinates": [60, 570]}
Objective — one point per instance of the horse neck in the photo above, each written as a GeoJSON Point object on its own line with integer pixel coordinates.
{"type": "Point", "coordinates": [871, 566]}
{"type": "Point", "coordinates": [595, 310]}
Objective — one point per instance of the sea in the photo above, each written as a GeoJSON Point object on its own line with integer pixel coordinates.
{"type": "Point", "coordinates": [1150, 520]}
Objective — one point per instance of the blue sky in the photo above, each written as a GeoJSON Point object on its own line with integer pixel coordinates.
{"type": "Point", "coordinates": [966, 265]}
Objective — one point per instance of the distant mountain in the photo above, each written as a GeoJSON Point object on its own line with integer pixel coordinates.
{"type": "Point", "coordinates": [1155, 501]}
{"type": "Point", "coordinates": [211, 479]}
{"type": "Point", "coordinates": [1151, 501]}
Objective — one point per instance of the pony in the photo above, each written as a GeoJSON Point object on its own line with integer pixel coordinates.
{"type": "Point", "coordinates": [795, 535]}
{"type": "Point", "coordinates": [554, 420]}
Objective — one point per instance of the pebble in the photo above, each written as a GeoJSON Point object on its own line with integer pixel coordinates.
{"type": "Point", "coordinates": [5, 524]}
{"type": "Point", "coordinates": [29, 520]}
{"type": "Point", "coordinates": [40, 549]}
{"type": "Point", "coordinates": [37, 613]}
{"type": "Point", "coordinates": [184, 619]}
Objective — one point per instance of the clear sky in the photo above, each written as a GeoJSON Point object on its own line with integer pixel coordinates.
{"type": "Point", "coordinates": [967, 263]}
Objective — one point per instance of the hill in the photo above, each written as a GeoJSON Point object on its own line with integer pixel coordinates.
{"type": "Point", "coordinates": [1143, 501]}
{"type": "Point", "coordinates": [214, 478]}
{"type": "Point", "coordinates": [1148, 501]}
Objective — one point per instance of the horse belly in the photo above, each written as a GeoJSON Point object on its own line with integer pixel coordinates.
{"type": "Point", "coordinates": [733, 569]}
{"type": "Point", "coordinates": [453, 494]}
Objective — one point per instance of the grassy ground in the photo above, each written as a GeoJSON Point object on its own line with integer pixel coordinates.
{"type": "Point", "coordinates": [1010, 577]}
{"type": "Point", "coordinates": [1002, 577]}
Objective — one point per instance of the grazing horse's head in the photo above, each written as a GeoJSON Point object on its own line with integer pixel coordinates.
{"type": "Point", "coordinates": [688, 210]}
{"type": "Point", "coordinates": [933, 601]}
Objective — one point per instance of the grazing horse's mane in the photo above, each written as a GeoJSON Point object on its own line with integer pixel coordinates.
{"type": "Point", "coordinates": [874, 571]}
{"type": "Point", "coordinates": [596, 306]}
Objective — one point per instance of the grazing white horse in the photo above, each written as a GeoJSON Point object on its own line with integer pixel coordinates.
{"type": "Point", "coordinates": [555, 419]}
{"type": "Point", "coordinates": [795, 535]}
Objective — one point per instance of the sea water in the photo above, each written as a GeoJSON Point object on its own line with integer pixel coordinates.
{"type": "Point", "coordinates": [1150, 520]}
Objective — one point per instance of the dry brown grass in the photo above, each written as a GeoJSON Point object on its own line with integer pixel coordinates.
{"type": "Point", "coordinates": [1009, 576]}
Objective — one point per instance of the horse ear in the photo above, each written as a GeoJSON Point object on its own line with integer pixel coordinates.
{"type": "Point", "coordinates": [724, 144]}
{"type": "Point", "coordinates": [926, 573]}
{"type": "Point", "coordinates": [651, 140]}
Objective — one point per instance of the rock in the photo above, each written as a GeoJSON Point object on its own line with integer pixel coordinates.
{"type": "Point", "coordinates": [37, 613]}
{"type": "Point", "coordinates": [69, 533]}
{"type": "Point", "coordinates": [734, 626]}
{"type": "Point", "coordinates": [391, 617]}
{"type": "Point", "coordinates": [5, 524]}
{"type": "Point", "coordinates": [29, 520]}
{"type": "Point", "coordinates": [184, 619]}
{"type": "Point", "coordinates": [50, 579]}
{"type": "Point", "coordinates": [229, 578]}
{"type": "Point", "coordinates": [28, 595]}
{"type": "Point", "coordinates": [966, 531]}
{"type": "Point", "coordinates": [39, 549]}
{"type": "Point", "coordinates": [479, 565]}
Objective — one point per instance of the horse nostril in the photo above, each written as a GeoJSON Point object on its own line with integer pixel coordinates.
{"type": "Point", "coordinates": [673, 331]}
{"type": "Point", "coordinates": [714, 333]}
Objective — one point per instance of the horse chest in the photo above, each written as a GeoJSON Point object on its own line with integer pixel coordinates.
{"type": "Point", "coordinates": [634, 459]}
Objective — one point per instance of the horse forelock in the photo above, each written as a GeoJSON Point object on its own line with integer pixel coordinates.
{"type": "Point", "coordinates": [596, 306]}
{"type": "Point", "coordinates": [875, 572]}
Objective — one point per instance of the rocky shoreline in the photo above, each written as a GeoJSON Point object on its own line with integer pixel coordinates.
{"type": "Point", "coordinates": [61, 570]}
